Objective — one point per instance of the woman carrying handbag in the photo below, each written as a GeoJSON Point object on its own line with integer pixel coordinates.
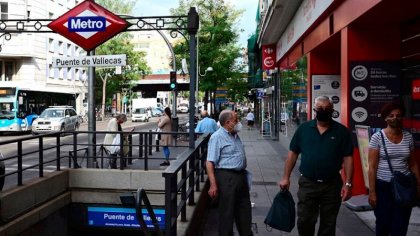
{"type": "Point", "coordinates": [390, 151]}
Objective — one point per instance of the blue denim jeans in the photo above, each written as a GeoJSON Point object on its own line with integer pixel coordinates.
{"type": "Point", "coordinates": [166, 152]}
{"type": "Point", "coordinates": [391, 219]}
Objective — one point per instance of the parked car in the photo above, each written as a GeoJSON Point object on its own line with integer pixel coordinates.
{"type": "Point", "coordinates": [156, 112]}
{"type": "Point", "coordinates": [56, 118]}
{"type": "Point", "coordinates": [182, 108]}
{"type": "Point", "coordinates": [140, 114]}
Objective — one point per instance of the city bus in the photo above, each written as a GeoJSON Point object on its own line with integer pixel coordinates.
{"type": "Point", "coordinates": [20, 107]}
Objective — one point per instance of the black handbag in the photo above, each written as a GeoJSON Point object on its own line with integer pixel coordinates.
{"type": "Point", "coordinates": [282, 213]}
{"type": "Point", "coordinates": [403, 186]}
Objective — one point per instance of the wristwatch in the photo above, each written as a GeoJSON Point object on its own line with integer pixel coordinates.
{"type": "Point", "coordinates": [348, 185]}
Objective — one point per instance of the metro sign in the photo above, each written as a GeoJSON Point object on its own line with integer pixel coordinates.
{"type": "Point", "coordinates": [88, 25]}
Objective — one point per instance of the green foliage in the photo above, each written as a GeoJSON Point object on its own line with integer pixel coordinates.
{"type": "Point", "coordinates": [119, 44]}
{"type": "Point", "coordinates": [237, 89]}
{"type": "Point", "coordinates": [217, 38]}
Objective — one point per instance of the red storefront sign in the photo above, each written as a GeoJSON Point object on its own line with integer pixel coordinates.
{"type": "Point", "coordinates": [268, 57]}
{"type": "Point", "coordinates": [88, 25]}
{"type": "Point", "coordinates": [416, 89]}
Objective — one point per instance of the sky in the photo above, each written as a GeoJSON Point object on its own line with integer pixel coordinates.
{"type": "Point", "coordinates": [161, 7]}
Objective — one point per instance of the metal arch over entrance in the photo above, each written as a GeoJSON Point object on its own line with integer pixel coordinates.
{"type": "Point", "coordinates": [174, 24]}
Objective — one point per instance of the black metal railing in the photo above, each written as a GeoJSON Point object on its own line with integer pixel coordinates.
{"type": "Point", "coordinates": [142, 197]}
{"type": "Point", "coordinates": [34, 153]}
{"type": "Point", "coordinates": [191, 165]}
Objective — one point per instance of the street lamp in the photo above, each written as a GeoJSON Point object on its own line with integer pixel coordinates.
{"type": "Point", "coordinates": [209, 69]}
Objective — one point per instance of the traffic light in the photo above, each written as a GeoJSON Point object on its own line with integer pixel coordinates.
{"type": "Point", "coordinates": [173, 84]}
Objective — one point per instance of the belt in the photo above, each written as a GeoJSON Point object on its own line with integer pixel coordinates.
{"type": "Point", "coordinates": [243, 171]}
{"type": "Point", "coordinates": [320, 180]}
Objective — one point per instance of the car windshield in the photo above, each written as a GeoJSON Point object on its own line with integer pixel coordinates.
{"type": "Point", "coordinates": [140, 111]}
{"type": "Point", "coordinates": [52, 113]}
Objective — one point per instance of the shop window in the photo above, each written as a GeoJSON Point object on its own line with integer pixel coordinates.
{"type": "Point", "coordinates": [4, 10]}
{"type": "Point", "coordinates": [293, 97]}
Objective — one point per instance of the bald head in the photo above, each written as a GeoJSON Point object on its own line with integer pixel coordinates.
{"type": "Point", "coordinates": [204, 114]}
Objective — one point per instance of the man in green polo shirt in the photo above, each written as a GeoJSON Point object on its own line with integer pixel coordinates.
{"type": "Point", "coordinates": [325, 145]}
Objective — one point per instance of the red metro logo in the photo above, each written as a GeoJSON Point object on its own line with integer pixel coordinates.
{"type": "Point", "coordinates": [88, 25]}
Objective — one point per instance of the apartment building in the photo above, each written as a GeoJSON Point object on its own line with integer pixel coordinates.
{"type": "Point", "coordinates": [26, 59]}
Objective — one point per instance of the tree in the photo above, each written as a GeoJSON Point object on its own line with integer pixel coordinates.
{"type": "Point", "coordinates": [217, 39]}
{"type": "Point", "coordinates": [120, 44]}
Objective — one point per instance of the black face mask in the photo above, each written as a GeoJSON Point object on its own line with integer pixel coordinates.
{"type": "Point", "coordinates": [324, 115]}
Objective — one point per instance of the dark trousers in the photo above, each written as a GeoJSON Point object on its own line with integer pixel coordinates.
{"type": "Point", "coordinates": [316, 198]}
{"type": "Point", "coordinates": [234, 202]}
{"type": "Point", "coordinates": [391, 219]}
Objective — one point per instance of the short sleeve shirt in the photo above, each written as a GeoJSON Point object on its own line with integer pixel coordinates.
{"type": "Point", "coordinates": [321, 154]}
{"type": "Point", "coordinates": [398, 154]}
{"type": "Point", "coordinates": [226, 150]}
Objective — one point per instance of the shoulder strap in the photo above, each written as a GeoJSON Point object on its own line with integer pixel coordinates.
{"type": "Point", "coordinates": [386, 153]}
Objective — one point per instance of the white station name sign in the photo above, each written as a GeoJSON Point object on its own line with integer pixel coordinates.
{"type": "Point", "coordinates": [90, 61]}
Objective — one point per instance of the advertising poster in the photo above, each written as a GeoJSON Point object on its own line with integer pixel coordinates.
{"type": "Point", "coordinates": [363, 136]}
{"type": "Point", "coordinates": [330, 86]}
{"type": "Point", "coordinates": [372, 84]}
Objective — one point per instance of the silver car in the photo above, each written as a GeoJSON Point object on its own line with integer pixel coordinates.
{"type": "Point", "coordinates": [57, 118]}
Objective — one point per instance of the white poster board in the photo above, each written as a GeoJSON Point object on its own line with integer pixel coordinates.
{"type": "Point", "coordinates": [330, 86]}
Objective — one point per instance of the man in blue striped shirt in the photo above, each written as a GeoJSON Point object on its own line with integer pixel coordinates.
{"type": "Point", "coordinates": [226, 163]}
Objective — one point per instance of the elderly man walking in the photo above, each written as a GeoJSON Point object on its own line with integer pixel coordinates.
{"type": "Point", "coordinates": [226, 163]}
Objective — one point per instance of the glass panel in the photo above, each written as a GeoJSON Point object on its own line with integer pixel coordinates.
{"type": "Point", "coordinates": [293, 97]}
{"type": "Point", "coordinates": [1, 71]}
{"type": "Point", "coordinates": [9, 70]}
{"type": "Point", "coordinates": [4, 9]}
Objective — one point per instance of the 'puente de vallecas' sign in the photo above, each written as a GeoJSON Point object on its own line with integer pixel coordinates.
{"type": "Point", "coordinates": [88, 25]}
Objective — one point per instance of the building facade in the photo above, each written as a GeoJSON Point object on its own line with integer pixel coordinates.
{"type": "Point", "coordinates": [26, 59]}
{"type": "Point", "coordinates": [360, 53]}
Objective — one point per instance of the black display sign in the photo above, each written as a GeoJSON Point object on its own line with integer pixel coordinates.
{"type": "Point", "coordinates": [372, 84]}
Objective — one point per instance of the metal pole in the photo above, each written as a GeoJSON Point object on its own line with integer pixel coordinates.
{"type": "Point", "coordinates": [193, 25]}
{"type": "Point", "coordinates": [277, 113]}
{"type": "Point", "coordinates": [91, 114]}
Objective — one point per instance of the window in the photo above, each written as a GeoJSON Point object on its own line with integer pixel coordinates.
{"type": "Point", "coordinates": [4, 10]}
{"type": "Point", "coordinates": [69, 51]}
{"type": "Point", "coordinates": [51, 71]}
{"type": "Point", "coordinates": [9, 67]}
{"type": "Point", "coordinates": [69, 75]}
{"type": "Point", "coordinates": [60, 47]}
{"type": "Point", "coordinates": [51, 45]}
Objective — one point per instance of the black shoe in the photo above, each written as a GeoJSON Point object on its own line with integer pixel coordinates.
{"type": "Point", "coordinates": [165, 163]}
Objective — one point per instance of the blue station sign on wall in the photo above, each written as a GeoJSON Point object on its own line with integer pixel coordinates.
{"type": "Point", "coordinates": [88, 25]}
